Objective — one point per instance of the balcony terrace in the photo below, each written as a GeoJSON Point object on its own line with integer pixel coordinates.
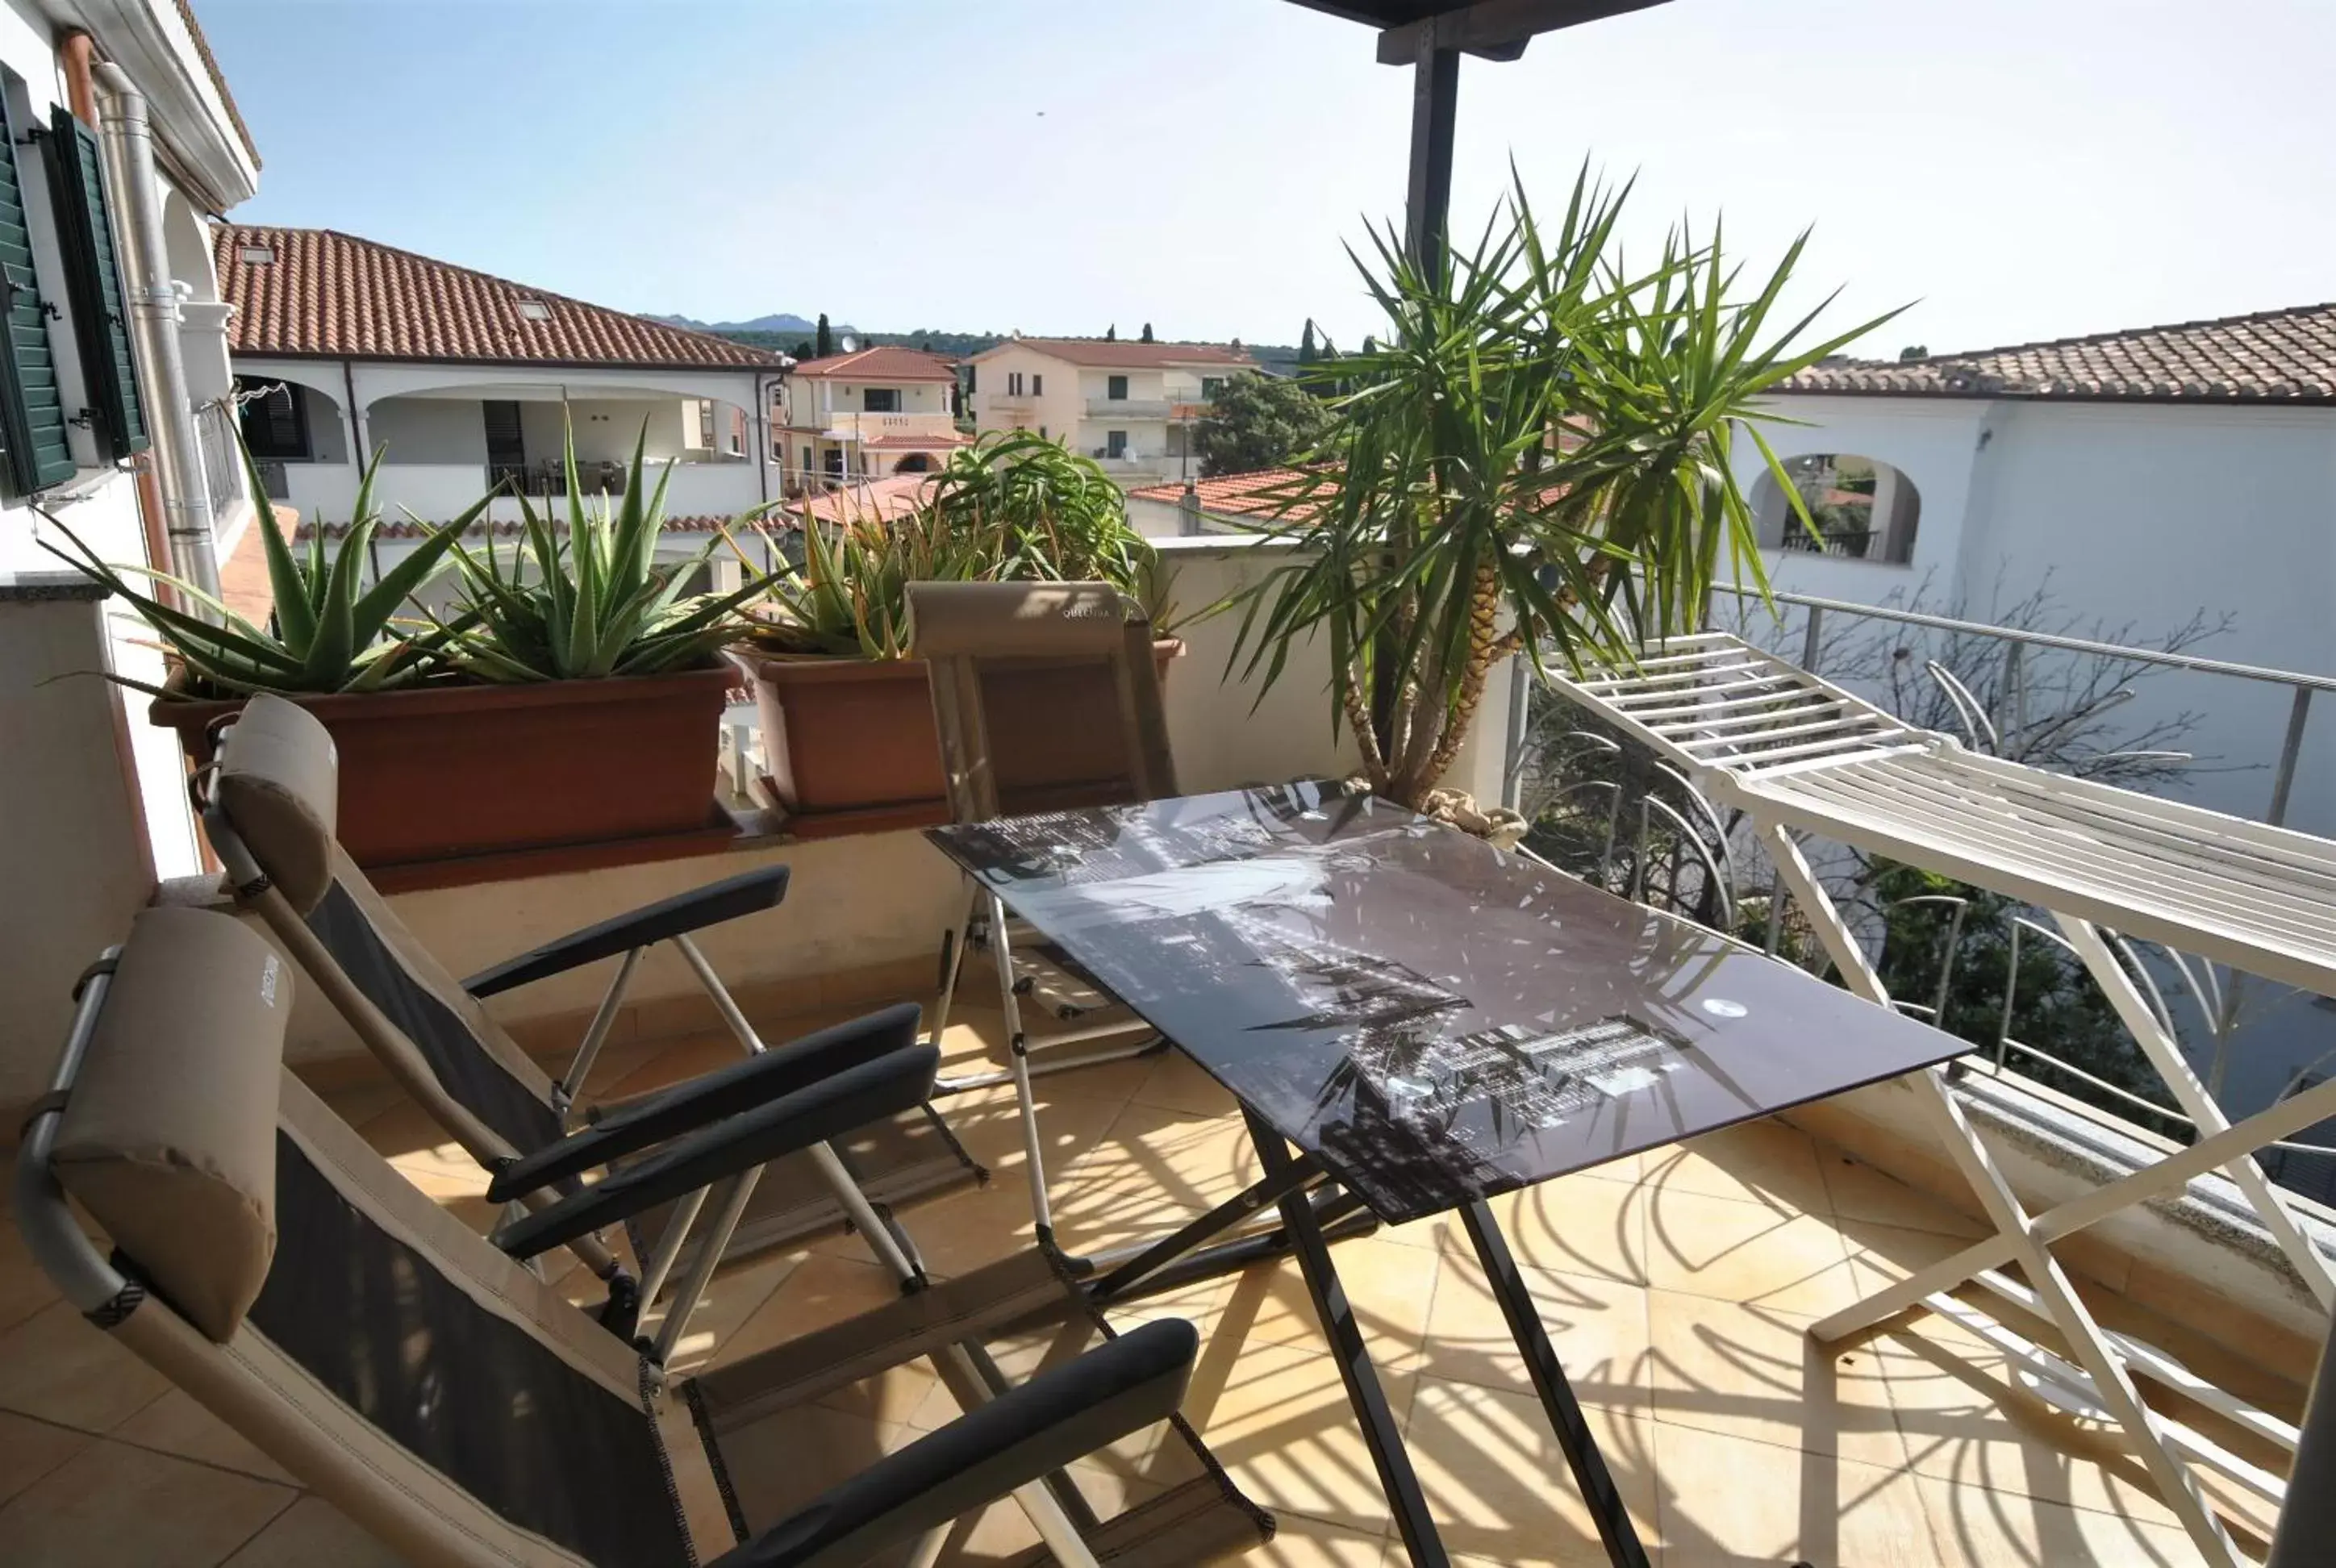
{"type": "Point", "coordinates": [1678, 1286]}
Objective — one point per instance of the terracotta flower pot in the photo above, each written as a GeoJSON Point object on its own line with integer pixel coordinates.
{"type": "Point", "coordinates": [445, 773]}
{"type": "Point", "coordinates": [851, 745]}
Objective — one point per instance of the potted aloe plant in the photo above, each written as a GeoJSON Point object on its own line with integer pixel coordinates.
{"type": "Point", "coordinates": [846, 714]}
{"type": "Point", "coordinates": [572, 695]}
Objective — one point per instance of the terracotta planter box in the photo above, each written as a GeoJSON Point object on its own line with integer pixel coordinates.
{"type": "Point", "coordinates": [851, 745]}
{"type": "Point", "coordinates": [466, 771]}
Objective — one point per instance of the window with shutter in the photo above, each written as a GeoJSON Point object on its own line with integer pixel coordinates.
{"type": "Point", "coordinates": [31, 415]}
{"type": "Point", "coordinates": [94, 268]}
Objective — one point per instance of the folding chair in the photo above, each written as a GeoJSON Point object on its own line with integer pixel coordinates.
{"type": "Point", "coordinates": [268, 807]}
{"type": "Point", "coordinates": [1797, 753]}
{"type": "Point", "coordinates": [1046, 699]}
{"type": "Point", "coordinates": [444, 1398]}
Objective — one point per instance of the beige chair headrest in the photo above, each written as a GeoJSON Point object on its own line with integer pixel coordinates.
{"type": "Point", "coordinates": [168, 1136]}
{"type": "Point", "coordinates": [1014, 619]}
{"type": "Point", "coordinates": [279, 784]}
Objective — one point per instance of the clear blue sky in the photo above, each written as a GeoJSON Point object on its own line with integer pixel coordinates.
{"type": "Point", "coordinates": [2024, 167]}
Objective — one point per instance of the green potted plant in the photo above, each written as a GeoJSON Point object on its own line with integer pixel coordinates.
{"type": "Point", "coordinates": [1536, 455]}
{"type": "Point", "coordinates": [846, 714]}
{"type": "Point", "coordinates": [586, 685]}
{"type": "Point", "coordinates": [574, 698]}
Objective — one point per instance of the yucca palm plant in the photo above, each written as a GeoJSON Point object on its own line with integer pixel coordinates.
{"type": "Point", "coordinates": [591, 600]}
{"type": "Point", "coordinates": [328, 632]}
{"type": "Point", "coordinates": [1536, 455]}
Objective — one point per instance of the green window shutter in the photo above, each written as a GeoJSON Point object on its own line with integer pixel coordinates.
{"type": "Point", "coordinates": [100, 315]}
{"type": "Point", "coordinates": [31, 416]}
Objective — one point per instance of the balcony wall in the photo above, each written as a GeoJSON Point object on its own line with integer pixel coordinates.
{"type": "Point", "coordinates": [847, 425]}
{"type": "Point", "coordinates": [439, 492]}
{"type": "Point", "coordinates": [864, 914]}
{"type": "Point", "coordinates": [1109, 408]}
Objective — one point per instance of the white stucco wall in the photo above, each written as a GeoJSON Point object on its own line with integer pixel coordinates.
{"type": "Point", "coordinates": [427, 430]}
{"type": "Point", "coordinates": [1057, 408]}
{"type": "Point", "coordinates": [2141, 515]}
{"type": "Point", "coordinates": [95, 797]}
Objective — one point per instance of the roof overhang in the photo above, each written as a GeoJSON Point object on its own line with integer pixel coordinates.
{"type": "Point", "coordinates": [197, 140]}
{"type": "Point", "coordinates": [1489, 29]}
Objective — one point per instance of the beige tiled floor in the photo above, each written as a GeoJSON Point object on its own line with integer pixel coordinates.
{"type": "Point", "coordinates": [1677, 1287]}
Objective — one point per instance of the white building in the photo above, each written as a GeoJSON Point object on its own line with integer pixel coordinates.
{"type": "Point", "coordinates": [98, 408]}
{"type": "Point", "coordinates": [1131, 406]}
{"type": "Point", "coordinates": [467, 382]}
{"type": "Point", "coordinates": [2151, 475]}
{"type": "Point", "coordinates": [875, 412]}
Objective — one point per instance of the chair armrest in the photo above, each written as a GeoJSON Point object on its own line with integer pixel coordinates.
{"type": "Point", "coordinates": [836, 1104]}
{"type": "Point", "coordinates": [702, 1101]}
{"type": "Point", "coordinates": [1027, 1433]}
{"type": "Point", "coordinates": [710, 905]}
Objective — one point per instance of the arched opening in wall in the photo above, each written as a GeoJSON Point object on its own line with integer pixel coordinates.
{"type": "Point", "coordinates": [1862, 509]}
{"type": "Point", "coordinates": [915, 462]}
{"type": "Point", "coordinates": [283, 422]}
{"type": "Point", "coordinates": [187, 247]}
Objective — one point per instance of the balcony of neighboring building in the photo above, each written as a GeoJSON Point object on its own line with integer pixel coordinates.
{"type": "Point", "coordinates": [442, 450]}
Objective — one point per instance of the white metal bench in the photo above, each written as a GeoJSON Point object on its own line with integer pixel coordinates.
{"type": "Point", "coordinates": [1799, 755]}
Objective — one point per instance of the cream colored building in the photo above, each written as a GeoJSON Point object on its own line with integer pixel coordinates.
{"type": "Point", "coordinates": [1131, 406]}
{"type": "Point", "coordinates": [878, 410]}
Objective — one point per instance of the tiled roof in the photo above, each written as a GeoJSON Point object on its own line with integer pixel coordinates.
{"type": "Point", "coordinates": [1104, 353]}
{"type": "Point", "coordinates": [2273, 356]}
{"type": "Point", "coordinates": [873, 500]}
{"type": "Point", "coordinates": [218, 80]}
{"type": "Point", "coordinates": [1251, 495]}
{"type": "Point", "coordinates": [332, 295]}
{"type": "Point", "coordinates": [879, 365]}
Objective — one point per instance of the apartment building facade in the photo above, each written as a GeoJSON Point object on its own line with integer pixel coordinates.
{"type": "Point", "coordinates": [1132, 406]}
{"type": "Point", "coordinates": [871, 412]}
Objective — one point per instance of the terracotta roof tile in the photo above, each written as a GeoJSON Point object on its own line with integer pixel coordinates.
{"type": "Point", "coordinates": [218, 80]}
{"type": "Point", "coordinates": [1251, 495]}
{"type": "Point", "coordinates": [873, 500]}
{"type": "Point", "coordinates": [879, 365]}
{"type": "Point", "coordinates": [332, 295]}
{"type": "Point", "coordinates": [2272, 357]}
{"type": "Point", "coordinates": [1108, 355]}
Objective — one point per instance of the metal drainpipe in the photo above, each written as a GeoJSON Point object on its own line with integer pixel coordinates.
{"type": "Point", "coordinates": [128, 143]}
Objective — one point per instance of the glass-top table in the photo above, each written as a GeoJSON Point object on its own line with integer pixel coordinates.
{"type": "Point", "coordinates": [1431, 1021]}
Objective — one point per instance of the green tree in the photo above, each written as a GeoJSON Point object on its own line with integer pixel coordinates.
{"type": "Point", "coordinates": [1258, 422]}
{"type": "Point", "coordinates": [1306, 353]}
{"type": "Point", "coordinates": [1147, 332]}
{"type": "Point", "coordinates": [802, 350]}
{"type": "Point", "coordinates": [826, 344]}
{"type": "Point", "coordinates": [1111, 332]}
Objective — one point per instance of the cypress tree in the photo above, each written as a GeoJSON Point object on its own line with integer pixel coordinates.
{"type": "Point", "coordinates": [1111, 332]}
{"type": "Point", "coordinates": [826, 344]}
{"type": "Point", "coordinates": [1147, 332]}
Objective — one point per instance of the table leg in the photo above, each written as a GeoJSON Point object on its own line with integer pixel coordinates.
{"type": "Point", "coordinates": [1574, 1435]}
{"type": "Point", "coordinates": [1380, 1434]}
{"type": "Point", "coordinates": [1298, 1176]}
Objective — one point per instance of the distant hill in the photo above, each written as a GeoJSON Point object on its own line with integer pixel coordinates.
{"type": "Point", "coordinates": [782, 325]}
